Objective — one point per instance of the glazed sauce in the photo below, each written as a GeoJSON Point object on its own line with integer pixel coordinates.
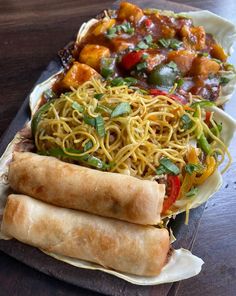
{"type": "Point", "coordinates": [158, 27]}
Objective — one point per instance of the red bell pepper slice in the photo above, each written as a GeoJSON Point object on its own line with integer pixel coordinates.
{"type": "Point", "coordinates": [208, 117]}
{"type": "Point", "coordinates": [148, 22]}
{"type": "Point", "coordinates": [131, 59]}
{"type": "Point", "coordinates": [173, 188]}
{"type": "Point", "coordinates": [158, 92]}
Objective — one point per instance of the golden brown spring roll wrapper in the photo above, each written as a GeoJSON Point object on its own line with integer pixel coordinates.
{"type": "Point", "coordinates": [76, 187]}
{"type": "Point", "coordinates": [123, 246]}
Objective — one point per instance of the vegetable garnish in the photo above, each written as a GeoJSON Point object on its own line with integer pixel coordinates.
{"type": "Point", "coordinates": [121, 109]}
{"type": "Point", "coordinates": [96, 122]}
{"type": "Point", "coordinates": [142, 45]}
{"type": "Point", "coordinates": [167, 166]}
{"type": "Point", "coordinates": [148, 23]}
{"type": "Point", "coordinates": [118, 81]}
{"type": "Point", "coordinates": [216, 130]}
{"type": "Point", "coordinates": [98, 96]}
{"type": "Point", "coordinates": [88, 145]}
{"type": "Point", "coordinates": [192, 192]}
{"type": "Point", "coordinates": [204, 144]}
{"type": "Point", "coordinates": [38, 115]}
{"type": "Point", "coordinates": [77, 106]}
{"type": "Point", "coordinates": [85, 159]}
{"type": "Point", "coordinates": [145, 43]}
{"type": "Point", "coordinates": [111, 33]}
{"type": "Point", "coordinates": [103, 109]}
{"type": "Point", "coordinates": [191, 168]}
{"type": "Point", "coordinates": [89, 120]}
{"type": "Point", "coordinates": [164, 75]}
{"type": "Point", "coordinates": [99, 122]}
{"type": "Point", "coordinates": [131, 59]}
{"type": "Point", "coordinates": [210, 167]}
{"type": "Point", "coordinates": [202, 104]}
{"type": "Point", "coordinates": [186, 121]}
{"type": "Point", "coordinates": [158, 92]}
{"type": "Point", "coordinates": [123, 28]}
{"type": "Point", "coordinates": [173, 188]}
{"type": "Point", "coordinates": [107, 66]}
{"type": "Point", "coordinates": [170, 43]}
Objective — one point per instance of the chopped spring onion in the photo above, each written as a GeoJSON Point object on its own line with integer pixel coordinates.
{"type": "Point", "coordinates": [168, 167]}
{"type": "Point", "coordinates": [100, 127]}
{"type": "Point", "coordinates": [107, 66]}
{"type": "Point", "coordinates": [77, 106]}
{"type": "Point", "coordinates": [89, 120]}
{"type": "Point", "coordinates": [88, 145]}
{"type": "Point", "coordinates": [170, 43]}
{"type": "Point", "coordinates": [98, 96]}
{"type": "Point", "coordinates": [142, 45]}
{"type": "Point", "coordinates": [191, 168]}
{"type": "Point", "coordinates": [118, 81]}
{"type": "Point", "coordinates": [38, 115]}
{"type": "Point", "coordinates": [192, 192]}
{"type": "Point", "coordinates": [111, 33]}
{"type": "Point", "coordinates": [130, 81]}
{"type": "Point", "coordinates": [186, 121]}
{"type": "Point", "coordinates": [102, 108]}
{"type": "Point", "coordinates": [148, 39]}
{"type": "Point", "coordinates": [85, 159]}
{"type": "Point", "coordinates": [121, 109]}
{"type": "Point", "coordinates": [126, 28]}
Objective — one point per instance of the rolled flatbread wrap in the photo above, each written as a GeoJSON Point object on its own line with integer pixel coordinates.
{"type": "Point", "coordinates": [123, 246]}
{"type": "Point", "coordinates": [76, 187]}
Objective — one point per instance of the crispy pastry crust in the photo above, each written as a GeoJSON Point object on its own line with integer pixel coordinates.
{"type": "Point", "coordinates": [123, 246]}
{"type": "Point", "coordinates": [76, 187]}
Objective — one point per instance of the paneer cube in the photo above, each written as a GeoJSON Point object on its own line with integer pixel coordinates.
{"type": "Point", "coordinates": [218, 52]}
{"type": "Point", "coordinates": [203, 66]}
{"type": "Point", "coordinates": [153, 60]}
{"type": "Point", "coordinates": [92, 54]}
{"type": "Point", "coordinates": [77, 75]}
{"type": "Point", "coordinates": [194, 37]}
{"type": "Point", "coordinates": [102, 26]}
{"type": "Point", "coordinates": [183, 59]}
{"type": "Point", "coordinates": [120, 44]}
{"type": "Point", "coordinates": [167, 32]}
{"type": "Point", "coordinates": [130, 12]}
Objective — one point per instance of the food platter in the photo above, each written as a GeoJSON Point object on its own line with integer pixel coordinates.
{"type": "Point", "coordinates": [176, 221]}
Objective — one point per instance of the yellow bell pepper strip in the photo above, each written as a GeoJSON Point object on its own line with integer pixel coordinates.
{"type": "Point", "coordinates": [211, 165]}
{"type": "Point", "coordinates": [189, 179]}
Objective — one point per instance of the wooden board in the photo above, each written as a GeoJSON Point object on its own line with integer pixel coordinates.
{"type": "Point", "coordinates": [94, 280]}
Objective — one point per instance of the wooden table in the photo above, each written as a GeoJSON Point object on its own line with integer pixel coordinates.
{"type": "Point", "coordinates": [31, 33]}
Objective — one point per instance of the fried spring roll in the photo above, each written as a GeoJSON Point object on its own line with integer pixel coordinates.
{"type": "Point", "coordinates": [76, 187]}
{"type": "Point", "coordinates": [123, 246]}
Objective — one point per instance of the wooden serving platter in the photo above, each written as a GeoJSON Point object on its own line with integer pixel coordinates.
{"type": "Point", "coordinates": [95, 280]}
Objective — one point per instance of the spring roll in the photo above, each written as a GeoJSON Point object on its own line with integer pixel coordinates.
{"type": "Point", "coordinates": [123, 246]}
{"type": "Point", "coordinates": [72, 186]}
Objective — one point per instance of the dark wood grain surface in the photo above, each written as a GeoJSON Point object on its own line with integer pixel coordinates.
{"type": "Point", "coordinates": [31, 33]}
